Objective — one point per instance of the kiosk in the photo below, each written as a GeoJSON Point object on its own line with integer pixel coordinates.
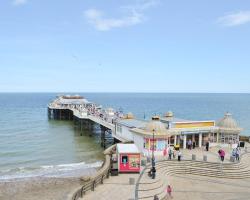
{"type": "Point", "coordinates": [129, 158]}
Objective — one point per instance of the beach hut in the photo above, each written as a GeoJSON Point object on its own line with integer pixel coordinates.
{"type": "Point", "coordinates": [129, 158]}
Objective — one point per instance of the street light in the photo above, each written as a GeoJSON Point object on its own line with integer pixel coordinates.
{"type": "Point", "coordinates": [153, 149]}
{"type": "Point", "coordinates": [153, 170]}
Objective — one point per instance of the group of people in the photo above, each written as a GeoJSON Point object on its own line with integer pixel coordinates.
{"type": "Point", "coordinates": [236, 153]}
{"type": "Point", "coordinates": [171, 153]}
{"type": "Point", "coordinates": [191, 144]}
{"type": "Point", "coordinates": [95, 110]}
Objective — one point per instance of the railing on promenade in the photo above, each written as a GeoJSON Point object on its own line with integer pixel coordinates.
{"type": "Point", "coordinates": [90, 183]}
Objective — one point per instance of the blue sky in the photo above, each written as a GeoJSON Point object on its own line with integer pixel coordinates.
{"type": "Point", "coordinates": [124, 46]}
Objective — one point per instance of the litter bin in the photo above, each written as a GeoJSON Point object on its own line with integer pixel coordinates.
{"type": "Point", "coordinates": [193, 157]}
{"type": "Point", "coordinates": [114, 172]}
{"type": "Point", "coordinates": [232, 158]}
{"type": "Point", "coordinates": [205, 158]}
{"type": "Point", "coordinates": [131, 181]}
{"type": "Point", "coordinates": [143, 162]}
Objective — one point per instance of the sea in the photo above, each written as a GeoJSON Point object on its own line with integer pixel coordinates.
{"type": "Point", "coordinates": [31, 145]}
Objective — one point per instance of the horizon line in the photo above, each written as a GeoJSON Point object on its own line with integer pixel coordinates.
{"type": "Point", "coordinates": [132, 92]}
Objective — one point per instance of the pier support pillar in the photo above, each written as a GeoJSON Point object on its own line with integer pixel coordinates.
{"type": "Point", "coordinates": [103, 130]}
{"type": "Point", "coordinates": [49, 113]}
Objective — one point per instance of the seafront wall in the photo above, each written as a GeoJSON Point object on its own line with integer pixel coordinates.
{"type": "Point", "coordinates": [89, 183]}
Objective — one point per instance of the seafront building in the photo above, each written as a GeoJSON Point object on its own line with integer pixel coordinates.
{"type": "Point", "coordinates": [154, 135]}
{"type": "Point", "coordinates": [170, 131]}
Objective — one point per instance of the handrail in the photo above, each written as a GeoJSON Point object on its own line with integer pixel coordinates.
{"type": "Point", "coordinates": [91, 182]}
{"type": "Point", "coordinates": [77, 113]}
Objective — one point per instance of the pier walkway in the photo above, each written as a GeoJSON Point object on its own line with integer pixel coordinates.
{"type": "Point", "coordinates": [84, 110]}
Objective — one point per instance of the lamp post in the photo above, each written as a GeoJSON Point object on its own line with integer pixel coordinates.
{"type": "Point", "coordinates": [153, 170]}
{"type": "Point", "coordinates": [153, 149]}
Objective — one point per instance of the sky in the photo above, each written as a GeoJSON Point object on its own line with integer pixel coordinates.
{"type": "Point", "coordinates": [125, 46]}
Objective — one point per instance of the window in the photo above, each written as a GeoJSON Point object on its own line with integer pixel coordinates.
{"type": "Point", "coordinates": [119, 128]}
{"type": "Point", "coordinates": [124, 159]}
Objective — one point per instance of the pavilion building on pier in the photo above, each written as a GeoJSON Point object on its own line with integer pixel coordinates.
{"type": "Point", "coordinates": [160, 133]}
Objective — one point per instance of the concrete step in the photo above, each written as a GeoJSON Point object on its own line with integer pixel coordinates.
{"type": "Point", "coordinates": [149, 187]}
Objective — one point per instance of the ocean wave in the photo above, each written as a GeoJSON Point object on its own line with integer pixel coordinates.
{"type": "Point", "coordinates": [62, 170]}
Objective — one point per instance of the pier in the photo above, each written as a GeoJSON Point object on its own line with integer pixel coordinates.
{"type": "Point", "coordinates": [86, 115]}
{"type": "Point", "coordinates": [153, 137]}
{"type": "Point", "coordinates": [162, 131]}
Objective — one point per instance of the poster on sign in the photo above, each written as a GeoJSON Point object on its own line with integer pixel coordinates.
{"type": "Point", "coordinates": [129, 158]}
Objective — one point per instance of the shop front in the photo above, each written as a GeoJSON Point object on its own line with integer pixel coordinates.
{"type": "Point", "coordinates": [157, 145]}
{"type": "Point", "coordinates": [129, 158]}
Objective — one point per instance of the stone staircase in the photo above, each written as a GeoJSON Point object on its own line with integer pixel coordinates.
{"type": "Point", "coordinates": [147, 187]}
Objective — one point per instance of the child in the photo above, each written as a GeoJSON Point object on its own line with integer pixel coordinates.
{"type": "Point", "coordinates": [164, 152]}
{"type": "Point", "coordinates": [169, 191]}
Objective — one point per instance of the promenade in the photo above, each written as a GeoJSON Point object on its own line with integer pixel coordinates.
{"type": "Point", "coordinates": [199, 173]}
{"type": "Point", "coordinates": [230, 183]}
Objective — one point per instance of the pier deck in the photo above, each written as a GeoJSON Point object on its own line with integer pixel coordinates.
{"type": "Point", "coordinates": [84, 110]}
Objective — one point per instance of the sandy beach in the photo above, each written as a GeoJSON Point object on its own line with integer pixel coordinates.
{"type": "Point", "coordinates": [39, 189]}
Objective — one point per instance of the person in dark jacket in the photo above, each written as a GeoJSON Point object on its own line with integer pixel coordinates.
{"type": "Point", "coordinates": [153, 170]}
{"type": "Point", "coordinates": [207, 146]}
{"type": "Point", "coordinates": [194, 144]}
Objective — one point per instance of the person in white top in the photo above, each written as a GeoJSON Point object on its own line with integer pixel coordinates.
{"type": "Point", "coordinates": [179, 155]}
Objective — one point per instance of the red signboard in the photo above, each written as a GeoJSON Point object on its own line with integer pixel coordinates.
{"type": "Point", "coordinates": [129, 163]}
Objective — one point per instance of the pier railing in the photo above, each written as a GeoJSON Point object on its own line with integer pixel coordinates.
{"type": "Point", "coordinates": [84, 113]}
{"type": "Point", "coordinates": [90, 183]}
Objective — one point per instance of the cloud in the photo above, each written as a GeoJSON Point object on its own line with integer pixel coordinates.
{"type": "Point", "coordinates": [235, 19]}
{"type": "Point", "coordinates": [134, 14]}
{"type": "Point", "coordinates": [19, 2]}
